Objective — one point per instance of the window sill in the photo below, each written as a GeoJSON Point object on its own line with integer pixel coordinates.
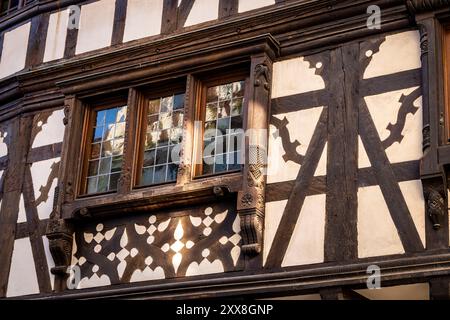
{"type": "Point", "coordinates": [154, 198]}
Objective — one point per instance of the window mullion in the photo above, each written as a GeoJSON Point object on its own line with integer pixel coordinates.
{"type": "Point", "coordinates": [187, 144]}
{"type": "Point", "coordinates": [126, 180]}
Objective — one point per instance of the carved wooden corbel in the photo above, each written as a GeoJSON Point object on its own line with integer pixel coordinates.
{"type": "Point", "coordinates": [251, 199]}
{"type": "Point", "coordinates": [59, 234]}
{"type": "Point", "coordinates": [435, 201]}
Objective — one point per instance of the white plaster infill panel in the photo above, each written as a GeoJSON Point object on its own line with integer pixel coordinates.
{"type": "Point", "coordinates": [307, 242]}
{"type": "Point", "coordinates": [384, 109]}
{"type": "Point", "coordinates": [40, 172]}
{"type": "Point", "coordinates": [400, 52]}
{"type": "Point", "coordinates": [14, 52]}
{"type": "Point", "coordinates": [202, 11]}
{"type": "Point", "coordinates": [49, 258]}
{"type": "Point", "coordinates": [301, 127]}
{"type": "Point", "coordinates": [22, 276]}
{"type": "Point", "coordinates": [143, 19]}
{"type": "Point", "coordinates": [247, 5]}
{"type": "Point", "coordinates": [377, 234]}
{"type": "Point", "coordinates": [55, 43]}
{"type": "Point", "coordinates": [295, 76]}
{"type": "Point", "coordinates": [96, 26]}
{"type": "Point", "coordinates": [52, 131]}
{"type": "Point", "coordinates": [274, 212]}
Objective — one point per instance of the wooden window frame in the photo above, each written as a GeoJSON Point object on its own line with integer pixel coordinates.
{"type": "Point", "coordinates": [195, 67]}
{"type": "Point", "coordinates": [241, 73]}
{"type": "Point", "coordinates": [135, 130]}
{"type": "Point", "coordinates": [91, 108]}
{"type": "Point", "coordinates": [446, 60]}
{"type": "Point", "coordinates": [148, 93]}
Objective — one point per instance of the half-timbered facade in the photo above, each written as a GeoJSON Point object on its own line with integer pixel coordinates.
{"type": "Point", "coordinates": [224, 148]}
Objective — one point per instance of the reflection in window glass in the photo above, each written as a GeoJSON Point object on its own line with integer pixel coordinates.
{"type": "Point", "coordinates": [105, 159]}
{"type": "Point", "coordinates": [163, 138]}
{"type": "Point", "coordinates": [222, 139]}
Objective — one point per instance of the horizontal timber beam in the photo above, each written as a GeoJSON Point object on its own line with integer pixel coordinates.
{"type": "Point", "coordinates": [394, 271]}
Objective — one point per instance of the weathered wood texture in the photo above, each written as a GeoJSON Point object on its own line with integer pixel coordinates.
{"type": "Point", "coordinates": [342, 168]}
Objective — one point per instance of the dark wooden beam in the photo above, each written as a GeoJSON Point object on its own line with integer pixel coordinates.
{"type": "Point", "coordinates": [2, 36]}
{"type": "Point", "coordinates": [439, 288]}
{"type": "Point", "coordinates": [37, 39]}
{"type": "Point", "coordinates": [391, 82]}
{"type": "Point", "coordinates": [302, 280]}
{"type": "Point", "coordinates": [22, 229]}
{"type": "Point", "coordinates": [169, 16]}
{"type": "Point", "coordinates": [228, 8]}
{"type": "Point", "coordinates": [341, 243]}
{"type": "Point", "coordinates": [50, 151]}
{"type": "Point", "coordinates": [71, 42]}
{"type": "Point", "coordinates": [9, 211]}
{"type": "Point", "coordinates": [331, 294]}
{"type": "Point", "coordinates": [120, 14]}
{"type": "Point", "coordinates": [301, 101]}
{"type": "Point", "coordinates": [403, 171]}
{"type": "Point", "coordinates": [183, 12]}
{"type": "Point", "coordinates": [368, 87]}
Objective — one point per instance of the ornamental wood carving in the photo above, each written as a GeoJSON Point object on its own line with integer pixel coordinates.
{"type": "Point", "coordinates": [251, 200]}
{"type": "Point", "coordinates": [59, 234]}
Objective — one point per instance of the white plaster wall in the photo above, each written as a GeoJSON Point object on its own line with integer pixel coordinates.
{"type": "Point", "coordinates": [143, 19]}
{"type": "Point", "coordinates": [52, 131]}
{"type": "Point", "coordinates": [384, 109]}
{"type": "Point", "coordinates": [306, 244]}
{"type": "Point", "coordinates": [400, 52]}
{"type": "Point", "coordinates": [246, 5]}
{"type": "Point", "coordinates": [294, 76]}
{"type": "Point", "coordinates": [22, 276]}
{"type": "Point", "coordinates": [50, 262]}
{"type": "Point", "coordinates": [96, 26]}
{"type": "Point", "coordinates": [202, 11]}
{"type": "Point", "coordinates": [301, 127]}
{"type": "Point", "coordinates": [377, 234]}
{"type": "Point", "coordinates": [56, 35]}
{"type": "Point", "coordinates": [22, 217]}
{"type": "Point", "coordinates": [40, 171]}
{"type": "Point", "coordinates": [15, 44]}
{"type": "Point", "coordinates": [274, 212]}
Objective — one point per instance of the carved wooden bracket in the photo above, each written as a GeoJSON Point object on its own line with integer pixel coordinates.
{"type": "Point", "coordinates": [251, 199]}
{"type": "Point", "coordinates": [59, 234]}
{"type": "Point", "coordinates": [434, 190]}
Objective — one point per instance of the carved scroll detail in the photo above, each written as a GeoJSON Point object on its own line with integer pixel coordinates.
{"type": "Point", "coordinates": [407, 107]}
{"type": "Point", "coordinates": [66, 114]}
{"type": "Point", "coordinates": [262, 76]}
